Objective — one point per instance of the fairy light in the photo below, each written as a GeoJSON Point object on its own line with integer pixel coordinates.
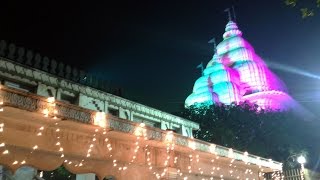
{"type": "Point", "coordinates": [2, 145]}
{"type": "Point", "coordinates": [170, 145]}
{"type": "Point", "coordinates": [245, 158]}
{"type": "Point", "coordinates": [192, 144]}
{"type": "Point", "coordinates": [1, 100]}
{"type": "Point", "coordinates": [230, 153]}
{"type": "Point", "coordinates": [1, 105]}
{"type": "Point", "coordinates": [15, 162]}
{"type": "Point", "coordinates": [190, 160]}
{"type": "Point", "coordinates": [50, 108]}
{"type": "Point", "coordinates": [140, 131]}
{"type": "Point", "coordinates": [46, 112]}
{"type": "Point", "coordinates": [1, 127]}
{"type": "Point", "coordinates": [259, 162]}
{"type": "Point", "coordinates": [148, 157]}
{"type": "Point", "coordinates": [197, 161]}
{"type": "Point", "coordinates": [212, 148]}
{"type": "Point", "coordinates": [213, 168]}
{"type": "Point", "coordinates": [100, 119]}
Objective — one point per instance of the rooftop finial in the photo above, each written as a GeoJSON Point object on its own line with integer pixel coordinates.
{"type": "Point", "coordinates": [234, 14]}
{"type": "Point", "coordinates": [229, 13]}
{"type": "Point", "coordinates": [213, 41]}
{"type": "Point", "coordinates": [201, 66]}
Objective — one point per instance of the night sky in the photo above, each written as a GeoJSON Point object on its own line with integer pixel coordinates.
{"type": "Point", "coordinates": [151, 48]}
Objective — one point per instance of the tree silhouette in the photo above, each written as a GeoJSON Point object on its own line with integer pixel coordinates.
{"type": "Point", "coordinates": [275, 135]}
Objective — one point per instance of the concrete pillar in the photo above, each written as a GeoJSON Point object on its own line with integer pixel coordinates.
{"type": "Point", "coordinates": [190, 131]}
{"type": "Point", "coordinates": [163, 125]}
{"type": "Point", "coordinates": [59, 95]}
{"type": "Point", "coordinates": [184, 131]}
{"type": "Point", "coordinates": [131, 115]}
{"type": "Point", "coordinates": [122, 113]}
{"type": "Point", "coordinates": [106, 106]}
{"type": "Point", "coordinates": [89, 176]}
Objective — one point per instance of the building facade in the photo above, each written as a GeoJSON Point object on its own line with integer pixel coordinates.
{"type": "Point", "coordinates": [48, 78]}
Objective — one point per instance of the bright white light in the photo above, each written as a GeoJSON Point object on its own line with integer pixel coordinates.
{"type": "Point", "coordinates": [301, 159]}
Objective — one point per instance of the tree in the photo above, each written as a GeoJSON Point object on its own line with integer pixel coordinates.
{"type": "Point", "coordinates": [305, 9]}
{"type": "Point", "coordinates": [276, 135]}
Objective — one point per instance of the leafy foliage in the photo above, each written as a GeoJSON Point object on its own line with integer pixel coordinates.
{"type": "Point", "coordinates": [61, 173]}
{"type": "Point", "coordinates": [276, 135]}
{"type": "Point", "coordinates": [305, 9]}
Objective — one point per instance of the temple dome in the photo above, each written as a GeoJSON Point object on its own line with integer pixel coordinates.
{"type": "Point", "coordinates": [236, 74]}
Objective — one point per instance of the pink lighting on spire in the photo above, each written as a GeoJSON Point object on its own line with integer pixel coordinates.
{"type": "Point", "coordinates": [237, 74]}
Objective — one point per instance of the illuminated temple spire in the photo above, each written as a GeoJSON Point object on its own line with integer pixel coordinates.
{"type": "Point", "coordinates": [236, 74]}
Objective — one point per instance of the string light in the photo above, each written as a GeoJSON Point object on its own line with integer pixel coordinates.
{"type": "Point", "coordinates": [5, 152]}
{"type": "Point", "coordinates": [100, 119]}
{"type": "Point", "coordinates": [2, 145]}
{"type": "Point", "coordinates": [1, 100]}
{"type": "Point", "coordinates": [1, 127]}
{"type": "Point", "coordinates": [141, 134]}
{"type": "Point", "coordinates": [245, 158]}
{"type": "Point", "coordinates": [230, 153]}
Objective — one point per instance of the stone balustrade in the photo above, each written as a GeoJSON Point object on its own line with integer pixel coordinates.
{"type": "Point", "coordinates": [36, 60]}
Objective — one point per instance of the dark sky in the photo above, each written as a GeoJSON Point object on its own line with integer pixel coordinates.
{"type": "Point", "coordinates": [151, 48]}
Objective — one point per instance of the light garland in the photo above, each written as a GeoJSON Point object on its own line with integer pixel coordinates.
{"type": "Point", "coordinates": [1, 100]}
{"type": "Point", "coordinates": [141, 134]}
{"type": "Point", "coordinates": [3, 144]}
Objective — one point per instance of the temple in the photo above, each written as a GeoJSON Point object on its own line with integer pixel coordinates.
{"type": "Point", "coordinates": [237, 74]}
{"type": "Point", "coordinates": [54, 115]}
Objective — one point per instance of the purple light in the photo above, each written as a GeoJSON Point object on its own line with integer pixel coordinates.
{"type": "Point", "coordinates": [236, 74]}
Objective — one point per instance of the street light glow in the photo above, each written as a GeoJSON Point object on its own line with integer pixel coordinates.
{"type": "Point", "coordinates": [301, 159]}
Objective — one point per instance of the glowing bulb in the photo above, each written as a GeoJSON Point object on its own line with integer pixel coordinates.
{"type": "Point", "coordinates": [230, 153]}
{"type": "Point", "coordinates": [301, 159]}
{"type": "Point", "coordinates": [100, 120]}
{"type": "Point", "coordinates": [46, 112]}
{"type": "Point", "coordinates": [192, 145]}
{"type": "Point", "coordinates": [169, 137]}
{"type": "Point", "coordinates": [50, 99]}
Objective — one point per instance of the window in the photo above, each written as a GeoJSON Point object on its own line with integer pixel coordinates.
{"type": "Point", "coordinates": [20, 86]}
{"type": "Point", "coordinates": [114, 112]}
{"type": "Point", "coordinates": [68, 98]}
